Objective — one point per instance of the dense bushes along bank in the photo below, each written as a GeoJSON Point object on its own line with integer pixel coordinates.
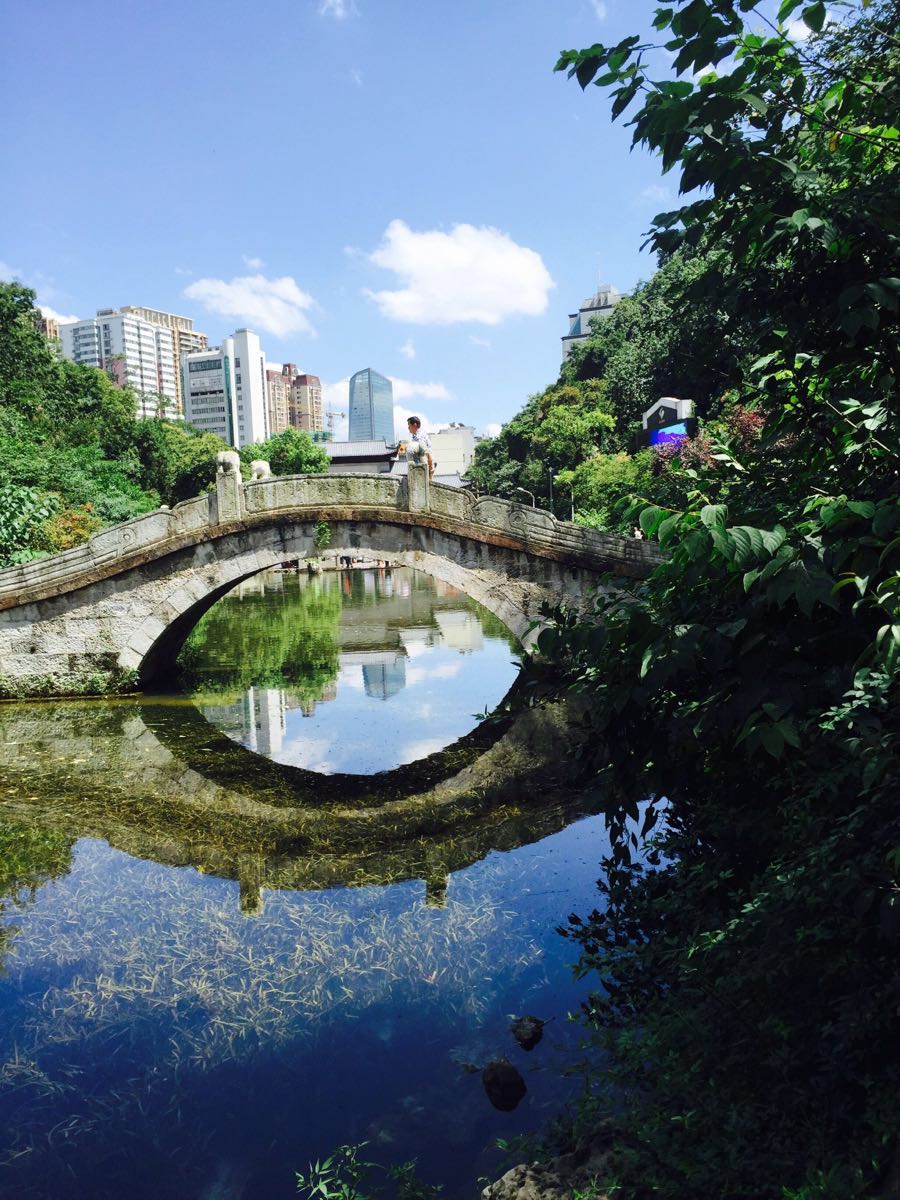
{"type": "Point", "coordinates": [746, 972]}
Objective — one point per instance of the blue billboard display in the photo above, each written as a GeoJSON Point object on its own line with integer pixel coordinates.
{"type": "Point", "coordinates": [668, 435]}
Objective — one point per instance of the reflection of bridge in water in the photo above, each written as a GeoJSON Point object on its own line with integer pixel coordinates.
{"type": "Point", "coordinates": [155, 780]}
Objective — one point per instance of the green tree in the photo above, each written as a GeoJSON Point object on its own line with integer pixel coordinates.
{"type": "Point", "coordinates": [177, 460]}
{"type": "Point", "coordinates": [557, 428]}
{"type": "Point", "coordinates": [23, 510]}
{"type": "Point", "coordinates": [747, 693]}
{"type": "Point", "coordinates": [27, 364]}
{"type": "Point", "coordinates": [292, 452]}
{"type": "Point", "coordinates": [673, 337]}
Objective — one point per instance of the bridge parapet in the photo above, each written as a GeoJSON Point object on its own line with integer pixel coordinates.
{"type": "Point", "coordinates": [114, 613]}
{"type": "Point", "coordinates": [410, 500]}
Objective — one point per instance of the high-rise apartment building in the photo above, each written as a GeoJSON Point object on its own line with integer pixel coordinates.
{"type": "Point", "coordinates": [295, 400]}
{"type": "Point", "coordinates": [371, 408]}
{"type": "Point", "coordinates": [224, 389]}
{"type": "Point", "coordinates": [187, 340]}
{"type": "Point", "coordinates": [278, 396]}
{"type": "Point", "coordinates": [49, 327]}
{"type": "Point", "coordinates": [133, 352]}
{"type": "Point", "coordinates": [306, 403]}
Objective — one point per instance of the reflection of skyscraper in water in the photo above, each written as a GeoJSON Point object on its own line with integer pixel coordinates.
{"type": "Point", "coordinates": [264, 720]}
{"type": "Point", "coordinates": [385, 679]}
{"type": "Point", "coordinates": [257, 720]}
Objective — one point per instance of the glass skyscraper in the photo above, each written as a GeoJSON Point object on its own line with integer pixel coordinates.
{"type": "Point", "coordinates": [371, 407]}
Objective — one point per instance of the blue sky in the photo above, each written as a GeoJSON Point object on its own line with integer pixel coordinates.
{"type": "Point", "coordinates": [381, 183]}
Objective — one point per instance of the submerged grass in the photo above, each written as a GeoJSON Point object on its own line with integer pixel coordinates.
{"type": "Point", "coordinates": [154, 974]}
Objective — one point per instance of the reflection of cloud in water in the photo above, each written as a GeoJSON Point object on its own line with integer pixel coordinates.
{"type": "Point", "coordinates": [416, 750]}
{"type": "Point", "coordinates": [418, 641]}
{"type": "Point", "coordinates": [309, 753]}
{"type": "Point", "coordinates": [442, 671]}
{"type": "Point", "coordinates": [351, 677]}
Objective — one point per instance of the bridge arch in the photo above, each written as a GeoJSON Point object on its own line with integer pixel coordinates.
{"type": "Point", "coordinates": [112, 615]}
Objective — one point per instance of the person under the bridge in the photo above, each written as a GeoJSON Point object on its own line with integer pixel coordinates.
{"type": "Point", "coordinates": [418, 446]}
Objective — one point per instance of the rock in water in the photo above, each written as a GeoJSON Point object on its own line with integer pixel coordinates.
{"type": "Point", "coordinates": [504, 1085]}
{"type": "Point", "coordinates": [527, 1031]}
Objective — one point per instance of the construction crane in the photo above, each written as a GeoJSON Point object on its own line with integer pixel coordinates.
{"type": "Point", "coordinates": [330, 416]}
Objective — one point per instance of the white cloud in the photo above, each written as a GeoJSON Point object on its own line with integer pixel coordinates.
{"type": "Point", "coordinates": [356, 76]}
{"type": "Point", "coordinates": [600, 9]}
{"type": "Point", "coordinates": [656, 191]}
{"type": "Point", "coordinates": [8, 272]}
{"type": "Point", "coordinates": [53, 315]}
{"type": "Point", "coordinates": [255, 264]}
{"type": "Point", "coordinates": [310, 753]}
{"type": "Point", "coordinates": [183, 271]}
{"type": "Point", "coordinates": [336, 395]}
{"type": "Point", "coordinates": [492, 429]}
{"type": "Point", "coordinates": [416, 750]}
{"type": "Point", "coordinates": [470, 274]}
{"type": "Point", "coordinates": [339, 9]}
{"type": "Point", "coordinates": [408, 349]}
{"type": "Point", "coordinates": [423, 674]}
{"type": "Point", "coordinates": [276, 306]}
{"type": "Point", "coordinates": [480, 341]}
{"type": "Point", "coordinates": [408, 389]}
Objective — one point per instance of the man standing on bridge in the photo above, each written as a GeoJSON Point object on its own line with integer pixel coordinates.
{"type": "Point", "coordinates": [418, 446]}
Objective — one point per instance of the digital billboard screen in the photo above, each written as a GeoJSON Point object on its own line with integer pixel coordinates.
{"type": "Point", "coordinates": [668, 435]}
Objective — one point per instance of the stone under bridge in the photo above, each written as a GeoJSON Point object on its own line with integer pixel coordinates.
{"type": "Point", "coordinates": [112, 615]}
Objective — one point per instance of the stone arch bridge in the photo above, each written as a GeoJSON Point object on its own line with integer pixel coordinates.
{"type": "Point", "coordinates": [111, 615]}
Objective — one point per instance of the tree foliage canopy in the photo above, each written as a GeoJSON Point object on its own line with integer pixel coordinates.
{"type": "Point", "coordinates": [73, 454]}
{"type": "Point", "coordinates": [744, 717]}
{"type": "Point", "coordinates": [291, 452]}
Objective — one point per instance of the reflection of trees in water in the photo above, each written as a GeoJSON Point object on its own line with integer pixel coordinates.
{"type": "Point", "coordinates": [281, 637]}
{"type": "Point", "coordinates": [29, 857]}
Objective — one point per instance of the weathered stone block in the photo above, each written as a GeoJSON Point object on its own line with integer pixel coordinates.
{"type": "Point", "coordinates": [418, 486]}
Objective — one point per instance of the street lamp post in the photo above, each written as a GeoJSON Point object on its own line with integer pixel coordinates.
{"type": "Point", "coordinates": [527, 493]}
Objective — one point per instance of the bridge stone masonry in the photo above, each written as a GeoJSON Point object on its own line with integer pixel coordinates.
{"type": "Point", "coordinates": [112, 615]}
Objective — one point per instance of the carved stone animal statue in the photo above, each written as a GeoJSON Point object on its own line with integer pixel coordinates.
{"type": "Point", "coordinates": [229, 462]}
{"type": "Point", "coordinates": [260, 469]}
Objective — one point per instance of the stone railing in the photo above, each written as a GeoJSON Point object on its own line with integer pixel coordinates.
{"type": "Point", "coordinates": [410, 500]}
